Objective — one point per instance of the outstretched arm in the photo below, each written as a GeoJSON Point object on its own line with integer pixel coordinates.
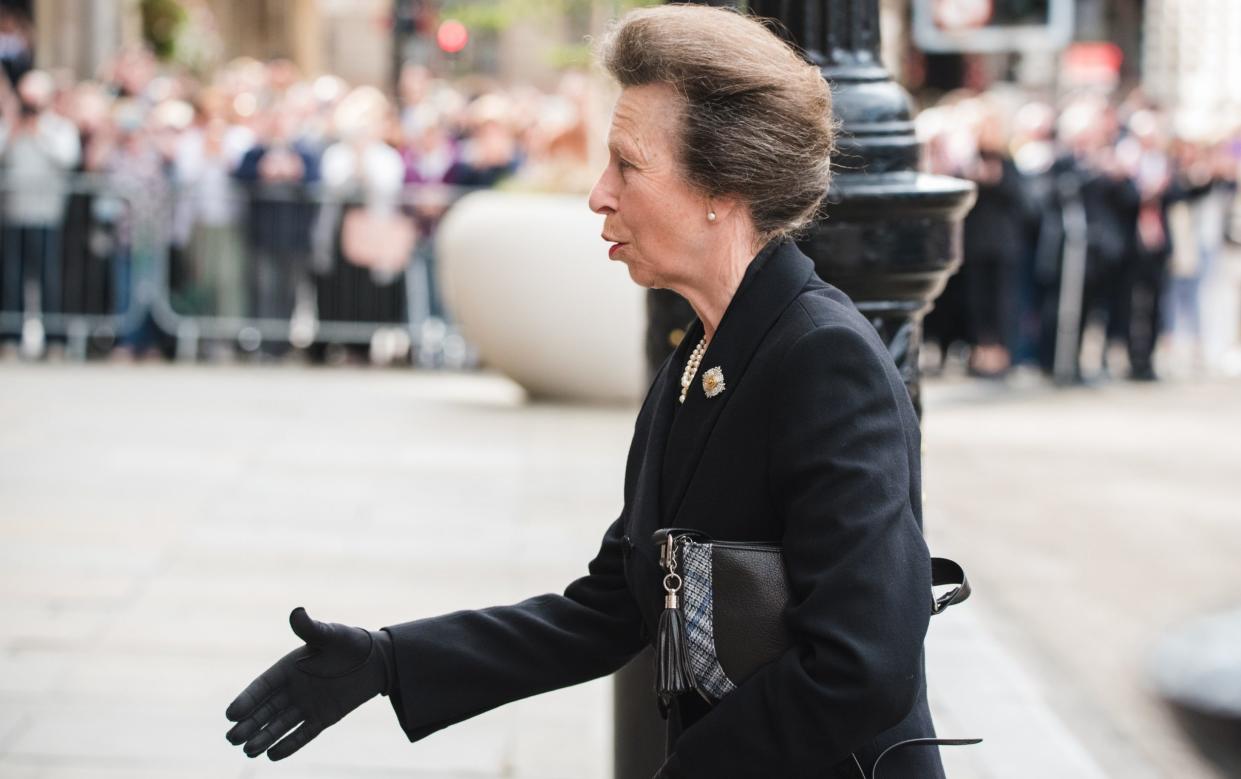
{"type": "Point", "coordinates": [452, 667]}
{"type": "Point", "coordinates": [442, 670]}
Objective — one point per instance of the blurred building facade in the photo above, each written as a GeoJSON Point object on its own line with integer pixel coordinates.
{"type": "Point", "coordinates": [1192, 55]}
{"type": "Point", "coordinates": [362, 41]}
{"type": "Point", "coordinates": [1184, 53]}
{"type": "Point", "coordinates": [981, 60]}
{"type": "Point", "coordinates": [350, 38]}
{"type": "Point", "coordinates": [81, 36]}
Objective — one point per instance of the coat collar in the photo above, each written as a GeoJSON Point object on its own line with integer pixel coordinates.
{"type": "Point", "coordinates": [771, 282]}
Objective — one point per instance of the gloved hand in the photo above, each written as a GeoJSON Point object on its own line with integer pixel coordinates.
{"type": "Point", "coordinates": [339, 669]}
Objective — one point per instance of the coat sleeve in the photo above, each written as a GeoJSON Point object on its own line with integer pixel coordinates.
{"type": "Point", "coordinates": [843, 462]}
{"type": "Point", "coordinates": [452, 667]}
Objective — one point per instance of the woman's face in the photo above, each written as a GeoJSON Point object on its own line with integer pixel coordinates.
{"type": "Point", "coordinates": [654, 217]}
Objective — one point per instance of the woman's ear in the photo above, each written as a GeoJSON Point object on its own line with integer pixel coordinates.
{"type": "Point", "coordinates": [721, 208]}
{"type": "Point", "coordinates": [733, 212]}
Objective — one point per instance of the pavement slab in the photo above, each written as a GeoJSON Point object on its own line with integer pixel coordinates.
{"type": "Point", "coordinates": [158, 523]}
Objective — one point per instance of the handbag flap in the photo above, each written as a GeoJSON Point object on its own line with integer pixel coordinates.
{"type": "Point", "coordinates": [751, 592]}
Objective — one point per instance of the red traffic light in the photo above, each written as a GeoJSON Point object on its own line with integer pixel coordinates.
{"type": "Point", "coordinates": [452, 36]}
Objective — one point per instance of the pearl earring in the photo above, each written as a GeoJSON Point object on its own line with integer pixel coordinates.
{"type": "Point", "coordinates": [710, 216]}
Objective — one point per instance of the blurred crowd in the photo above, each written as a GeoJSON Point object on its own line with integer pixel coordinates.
{"type": "Point", "coordinates": [1111, 222]}
{"type": "Point", "coordinates": [260, 195]}
{"type": "Point", "coordinates": [257, 192]}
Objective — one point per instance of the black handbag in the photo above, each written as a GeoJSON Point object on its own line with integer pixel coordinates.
{"type": "Point", "coordinates": [723, 616]}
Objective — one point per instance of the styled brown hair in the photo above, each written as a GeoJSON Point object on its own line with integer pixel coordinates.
{"type": "Point", "coordinates": [757, 120]}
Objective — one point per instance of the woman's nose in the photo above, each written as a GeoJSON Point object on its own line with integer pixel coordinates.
{"type": "Point", "coordinates": [601, 200]}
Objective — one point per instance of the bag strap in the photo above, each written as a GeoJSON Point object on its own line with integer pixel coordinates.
{"type": "Point", "coordinates": [914, 742]}
{"type": "Point", "coordinates": [945, 571]}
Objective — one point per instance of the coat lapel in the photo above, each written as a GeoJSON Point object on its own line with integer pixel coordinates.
{"type": "Point", "coordinates": [650, 458]}
{"type": "Point", "coordinates": [772, 281]}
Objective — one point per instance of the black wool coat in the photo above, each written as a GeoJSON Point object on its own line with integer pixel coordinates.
{"type": "Point", "coordinates": [813, 444]}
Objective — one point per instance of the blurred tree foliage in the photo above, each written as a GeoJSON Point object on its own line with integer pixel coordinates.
{"type": "Point", "coordinates": [161, 23]}
{"type": "Point", "coordinates": [182, 31]}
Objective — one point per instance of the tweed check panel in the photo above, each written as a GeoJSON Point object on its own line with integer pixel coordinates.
{"type": "Point", "coordinates": [696, 601]}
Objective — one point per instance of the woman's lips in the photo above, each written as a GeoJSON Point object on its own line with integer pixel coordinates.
{"type": "Point", "coordinates": [612, 250]}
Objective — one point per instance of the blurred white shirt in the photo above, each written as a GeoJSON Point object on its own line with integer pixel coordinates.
{"type": "Point", "coordinates": [38, 166]}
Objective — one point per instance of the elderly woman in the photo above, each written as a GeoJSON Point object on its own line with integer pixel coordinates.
{"type": "Point", "coordinates": [780, 417]}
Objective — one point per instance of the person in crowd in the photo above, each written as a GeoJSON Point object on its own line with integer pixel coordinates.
{"type": "Point", "coordinates": [429, 151]}
{"type": "Point", "coordinates": [992, 240]}
{"type": "Point", "coordinates": [131, 73]}
{"type": "Point", "coordinates": [948, 146]}
{"type": "Point", "coordinates": [361, 163]}
{"type": "Point", "coordinates": [277, 174]}
{"type": "Point", "coordinates": [139, 207]}
{"type": "Point", "coordinates": [977, 313]}
{"type": "Point", "coordinates": [1083, 247]}
{"type": "Point", "coordinates": [557, 139]}
{"type": "Point", "coordinates": [313, 126]}
{"type": "Point", "coordinates": [1150, 176]}
{"type": "Point", "coordinates": [365, 240]}
{"type": "Point", "coordinates": [39, 150]}
{"type": "Point", "coordinates": [430, 154]}
{"type": "Point", "coordinates": [489, 152]}
{"type": "Point", "coordinates": [327, 91]}
{"type": "Point", "coordinates": [415, 86]}
{"type": "Point", "coordinates": [1197, 224]}
{"type": "Point", "coordinates": [208, 208]}
{"type": "Point", "coordinates": [430, 118]}
{"type": "Point", "coordinates": [85, 243]}
{"type": "Point", "coordinates": [1110, 199]}
{"type": "Point", "coordinates": [1033, 148]}
{"type": "Point", "coordinates": [1220, 231]}
{"type": "Point", "coordinates": [282, 75]}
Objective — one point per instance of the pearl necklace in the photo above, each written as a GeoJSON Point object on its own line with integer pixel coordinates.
{"type": "Point", "coordinates": [691, 367]}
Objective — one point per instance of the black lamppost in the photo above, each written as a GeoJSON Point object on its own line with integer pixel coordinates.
{"type": "Point", "coordinates": [890, 240]}
{"type": "Point", "coordinates": [892, 236]}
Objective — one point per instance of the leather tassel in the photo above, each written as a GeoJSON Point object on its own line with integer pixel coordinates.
{"type": "Point", "coordinates": [673, 675]}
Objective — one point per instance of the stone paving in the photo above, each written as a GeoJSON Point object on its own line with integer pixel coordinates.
{"type": "Point", "coordinates": [1093, 520]}
{"type": "Point", "coordinates": [158, 523]}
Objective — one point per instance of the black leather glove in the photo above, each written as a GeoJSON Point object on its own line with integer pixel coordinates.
{"type": "Point", "coordinates": [339, 669]}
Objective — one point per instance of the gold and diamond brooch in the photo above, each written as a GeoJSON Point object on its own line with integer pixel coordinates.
{"type": "Point", "coordinates": [713, 382]}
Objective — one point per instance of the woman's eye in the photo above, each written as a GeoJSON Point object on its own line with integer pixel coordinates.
{"type": "Point", "coordinates": [622, 164]}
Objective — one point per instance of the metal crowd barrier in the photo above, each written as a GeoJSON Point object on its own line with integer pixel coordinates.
{"type": "Point", "coordinates": [264, 267]}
